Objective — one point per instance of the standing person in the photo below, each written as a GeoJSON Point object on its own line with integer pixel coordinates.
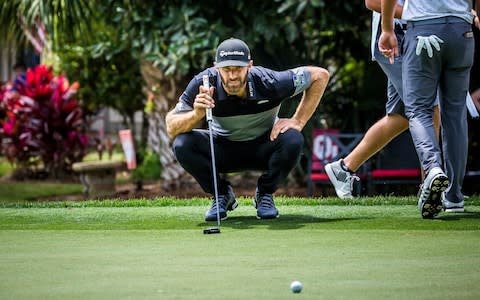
{"type": "Point", "coordinates": [248, 135]}
{"type": "Point", "coordinates": [19, 68]}
{"type": "Point", "coordinates": [341, 172]}
{"type": "Point", "coordinates": [437, 53]}
{"type": "Point", "coordinates": [19, 80]}
{"type": "Point", "coordinates": [474, 73]}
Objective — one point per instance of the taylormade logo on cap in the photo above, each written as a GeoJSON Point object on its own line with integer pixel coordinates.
{"type": "Point", "coordinates": [226, 53]}
{"type": "Point", "coordinates": [232, 52]}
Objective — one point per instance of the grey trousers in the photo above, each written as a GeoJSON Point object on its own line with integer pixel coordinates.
{"type": "Point", "coordinates": [449, 71]}
{"type": "Point", "coordinates": [394, 104]}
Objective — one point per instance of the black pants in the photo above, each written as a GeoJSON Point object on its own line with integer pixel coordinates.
{"type": "Point", "coordinates": [277, 158]}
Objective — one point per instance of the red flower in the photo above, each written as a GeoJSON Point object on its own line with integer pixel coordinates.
{"type": "Point", "coordinates": [43, 119]}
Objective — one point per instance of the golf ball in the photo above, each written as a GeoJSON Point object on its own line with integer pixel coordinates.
{"type": "Point", "coordinates": [296, 286]}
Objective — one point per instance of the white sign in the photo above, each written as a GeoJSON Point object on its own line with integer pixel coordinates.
{"type": "Point", "coordinates": [324, 147]}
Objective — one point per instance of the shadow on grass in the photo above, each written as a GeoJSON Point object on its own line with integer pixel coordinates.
{"type": "Point", "coordinates": [284, 222]}
{"type": "Point", "coordinates": [459, 216]}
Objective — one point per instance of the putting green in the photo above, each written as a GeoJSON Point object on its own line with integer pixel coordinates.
{"type": "Point", "coordinates": [160, 253]}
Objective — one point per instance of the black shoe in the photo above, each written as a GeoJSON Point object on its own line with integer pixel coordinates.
{"type": "Point", "coordinates": [265, 206]}
{"type": "Point", "coordinates": [225, 202]}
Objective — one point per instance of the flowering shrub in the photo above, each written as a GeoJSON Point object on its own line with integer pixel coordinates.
{"type": "Point", "coordinates": [42, 120]}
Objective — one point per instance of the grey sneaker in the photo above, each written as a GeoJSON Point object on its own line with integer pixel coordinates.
{"type": "Point", "coordinates": [342, 180]}
{"type": "Point", "coordinates": [225, 202]}
{"type": "Point", "coordinates": [430, 200]}
{"type": "Point", "coordinates": [265, 206]}
{"type": "Point", "coordinates": [452, 207]}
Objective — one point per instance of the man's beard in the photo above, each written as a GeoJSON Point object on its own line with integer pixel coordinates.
{"type": "Point", "coordinates": [234, 87]}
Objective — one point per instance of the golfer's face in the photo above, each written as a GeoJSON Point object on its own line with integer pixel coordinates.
{"type": "Point", "coordinates": [234, 79]}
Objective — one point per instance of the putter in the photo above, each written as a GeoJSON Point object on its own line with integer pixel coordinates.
{"type": "Point", "coordinates": [212, 230]}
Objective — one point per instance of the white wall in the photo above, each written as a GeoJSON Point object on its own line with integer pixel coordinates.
{"type": "Point", "coordinates": [109, 121]}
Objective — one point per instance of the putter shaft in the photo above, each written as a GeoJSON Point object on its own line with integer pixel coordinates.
{"type": "Point", "coordinates": [206, 84]}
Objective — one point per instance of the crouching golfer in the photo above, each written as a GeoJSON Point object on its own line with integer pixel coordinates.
{"type": "Point", "coordinates": [247, 133]}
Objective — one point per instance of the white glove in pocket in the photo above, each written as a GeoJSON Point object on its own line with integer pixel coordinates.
{"type": "Point", "coordinates": [426, 42]}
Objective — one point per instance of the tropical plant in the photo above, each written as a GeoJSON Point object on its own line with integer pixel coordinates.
{"type": "Point", "coordinates": [64, 20]}
{"type": "Point", "coordinates": [43, 122]}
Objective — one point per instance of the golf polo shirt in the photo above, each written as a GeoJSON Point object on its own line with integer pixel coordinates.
{"type": "Point", "coordinates": [244, 119]}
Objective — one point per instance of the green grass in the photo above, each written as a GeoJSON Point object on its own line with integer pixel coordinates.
{"type": "Point", "coordinates": [400, 217]}
{"type": "Point", "coordinates": [30, 191]}
{"type": "Point", "coordinates": [5, 166]}
{"type": "Point", "coordinates": [245, 264]}
{"type": "Point", "coordinates": [375, 248]}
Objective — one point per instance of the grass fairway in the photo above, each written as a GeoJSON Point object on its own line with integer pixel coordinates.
{"type": "Point", "coordinates": [70, 251]}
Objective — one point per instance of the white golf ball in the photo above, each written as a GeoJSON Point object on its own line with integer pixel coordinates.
{"type": "Point", "coordinates": [296, 286]}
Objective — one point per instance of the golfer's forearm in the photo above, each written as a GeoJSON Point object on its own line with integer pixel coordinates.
{"type": "Point", "coordinates": [181, 122]}
{"type": "Point", "coordinates": [387, 14]}
{"type": "Point", "coordinates": [477, 7]}
{"type": "Point", "coordinates": [311, 97]}
{"type": "Point", "coordinates": [376, 5]}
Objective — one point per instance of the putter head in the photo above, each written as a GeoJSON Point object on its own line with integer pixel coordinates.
{"type": "Point", "coordinates": [212, 230]}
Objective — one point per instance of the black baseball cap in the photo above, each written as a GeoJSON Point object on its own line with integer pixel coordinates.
{"type": "Point", "coordinates": [232, 52]}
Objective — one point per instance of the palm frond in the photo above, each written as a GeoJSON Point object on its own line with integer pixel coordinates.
{"type": "Point", "coordinates": [63, 19]}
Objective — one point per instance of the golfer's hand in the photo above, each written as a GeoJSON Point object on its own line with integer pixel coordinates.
{"type": "Point", "coordinates": [283, 125]}
{"type": "Point", "coordinates": [388, 45]}
{"type": "Point", "coordinates": [476, 20]}
{"type": "Point", "coordinates": [203, 100]}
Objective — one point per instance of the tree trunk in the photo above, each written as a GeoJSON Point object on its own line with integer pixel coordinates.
{"type": "Point", "coordinates": [163, 92]}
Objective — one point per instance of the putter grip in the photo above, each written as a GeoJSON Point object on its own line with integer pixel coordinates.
{"type": "Point", "coordinates": [206, 84]}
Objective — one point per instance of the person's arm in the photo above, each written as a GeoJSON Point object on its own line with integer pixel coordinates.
{"type": "Point", "coordinates": [376, 5]}
{"type": "Point", "coordinates": [476, 17]}
{"type": "Point", "coordinates": [476, 99]}
{"type": "Point", "coordinates": [181, 122]}
{"type": "Point", "coordinates": [311, 98]}
{"type": "Point", "coordinates": [387, 43]}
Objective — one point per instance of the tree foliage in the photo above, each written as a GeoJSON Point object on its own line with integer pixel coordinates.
{"type": "Point", "coordinates": [64, 20]}
{"type": "Point", "coordinates": [114, 81]}
{"type": "Point", "coordinates": [180, 38]}
{"type": "Point", "coordinates": [42, 121]}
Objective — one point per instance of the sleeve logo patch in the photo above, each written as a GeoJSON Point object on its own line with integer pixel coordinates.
{"type": "Point", "coordinates": [298, 79]}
